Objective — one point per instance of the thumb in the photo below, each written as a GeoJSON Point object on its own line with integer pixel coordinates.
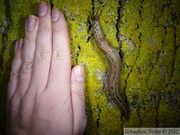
{"type": "Point", "coordinates": [78, 100]}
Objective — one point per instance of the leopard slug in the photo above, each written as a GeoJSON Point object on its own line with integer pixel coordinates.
{"type": "Point", "coordinates": [114, 64]}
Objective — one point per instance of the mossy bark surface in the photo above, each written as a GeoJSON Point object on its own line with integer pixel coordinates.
{"type": "Point", "coordinates": [147, 35]}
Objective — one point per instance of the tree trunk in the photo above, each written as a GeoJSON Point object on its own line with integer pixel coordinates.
{"type": "Point", "coordinates": [147, 35]}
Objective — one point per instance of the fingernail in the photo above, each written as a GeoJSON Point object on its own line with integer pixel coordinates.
{"type": "Point", "coordinates": [31, 23]}
{"type": "Point", "coordinates": [18, 47]}
{"type": "Point", "coordinates": [55, 14]}
{"type": "Point", "coordinates": [21, 42]}
{"type": "Point", "coordinates": [43, 8]}
{"type": "Point", "coordinates": [79, 73]}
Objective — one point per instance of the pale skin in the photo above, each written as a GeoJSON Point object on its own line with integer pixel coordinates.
{"type": "Point", "coordinates": [45, 94]}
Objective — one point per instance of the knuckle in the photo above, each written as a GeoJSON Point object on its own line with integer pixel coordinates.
{"type": "Point", "coordinates": [42, 54]}
{"type": "Point", "coordinates": [78, 92]}
{"type": "Point", "coordinates": [59, 55]}
{"type": "Point", "coordinates": [14, 74]}
{"type": "Point", "coordinates": [45, 26]}
{"type": "Point", "coordinates": [29, 38]}
{"type": "Point", "coordinates": [26, 67]}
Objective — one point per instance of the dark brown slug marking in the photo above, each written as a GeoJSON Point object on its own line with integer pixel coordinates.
{"type": "Point", "coordinates": [114, 64]}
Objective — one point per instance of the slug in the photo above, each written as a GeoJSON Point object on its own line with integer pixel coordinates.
{"type": "Point", "coordinates": [114, 64]}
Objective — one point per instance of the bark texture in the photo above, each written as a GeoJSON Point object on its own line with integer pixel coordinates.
{"type": "Point", "coordinates": [147, 35]}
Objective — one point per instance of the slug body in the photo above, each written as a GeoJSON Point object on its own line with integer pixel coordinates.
{"type": "Point", "coordinates": [114, 65]}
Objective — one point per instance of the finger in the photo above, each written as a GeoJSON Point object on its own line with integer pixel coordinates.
{"type": "Point", "coordinates": [61, 63]}
{"type": "Point", "coordinates": [43, 48]}
{"type": "Point", "coordinates": [78, 101]}
{"type": "Point", "coordinates": [28, 53]}
{"type": "Point", "coordinates": [16, 62]}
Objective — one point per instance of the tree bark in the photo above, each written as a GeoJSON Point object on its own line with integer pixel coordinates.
{"type": "Point", "coordinates": [147, 35]}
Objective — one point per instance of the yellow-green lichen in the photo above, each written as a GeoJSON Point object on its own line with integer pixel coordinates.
{"type": "Point", "coordinates": [150, 35]}
{"type": "Point", "coordinates": [150, 66]}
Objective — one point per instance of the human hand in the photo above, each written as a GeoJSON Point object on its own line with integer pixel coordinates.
{"type": "Point", "coordinates": [45, 96]}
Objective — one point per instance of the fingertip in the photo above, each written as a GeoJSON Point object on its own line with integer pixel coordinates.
{"type": "Point", "coordinates": [58, 21]}
{"type": "Point", "coordinates": [79, 73]}
{"type": "Point", "coordinates": [77, 80]}
{"type": "Point", "coordinates": [55, 14]}
{"type": "Point", "coordinates": [78, 99]}
{"type": "Point", "coordinates": [18, 48]}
